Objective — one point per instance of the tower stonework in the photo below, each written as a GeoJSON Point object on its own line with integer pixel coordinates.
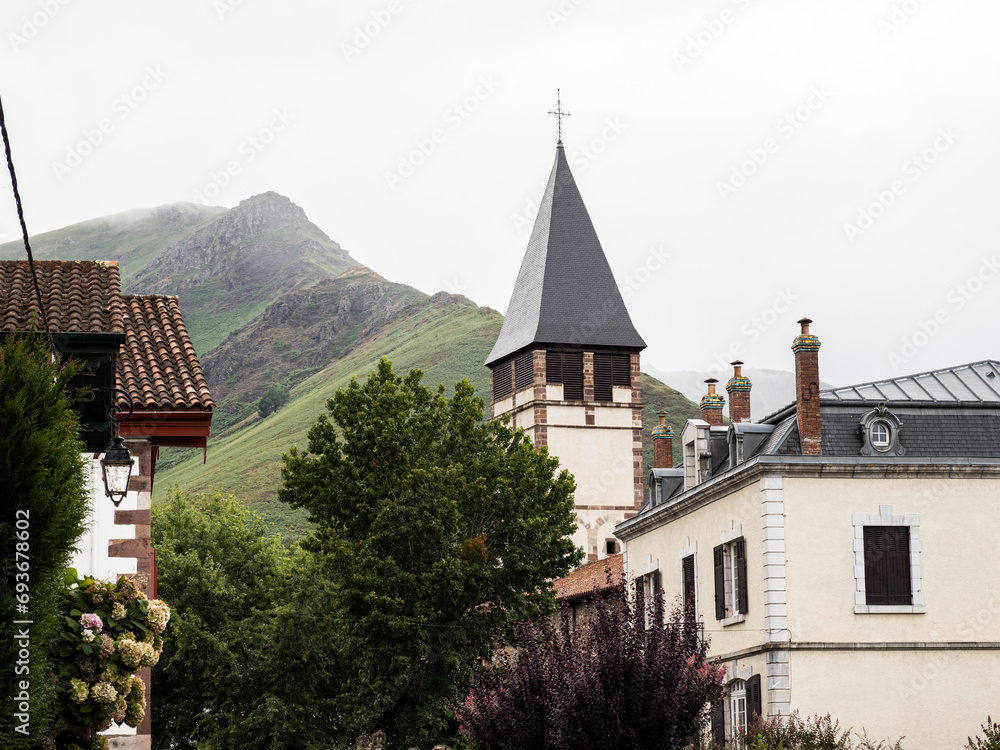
{"type": "Point", "coordinates": [566, 367]}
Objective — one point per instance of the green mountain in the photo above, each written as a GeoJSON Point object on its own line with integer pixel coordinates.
{"type": "Point", "coordinates": [272, 302]}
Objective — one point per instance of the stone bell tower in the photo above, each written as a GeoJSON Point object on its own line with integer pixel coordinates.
{"type": "Point", "coordinates": [566, 364]}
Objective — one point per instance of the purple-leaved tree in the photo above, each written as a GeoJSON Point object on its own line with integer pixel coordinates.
{"type": "Point", "coordinates": [616, 684]}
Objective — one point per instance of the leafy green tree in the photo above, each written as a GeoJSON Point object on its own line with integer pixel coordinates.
{"type": "Point", "coordinates": [43, 506]}
{"type": "Point", "coordinates": [439, 530]}
{"type": "Point", "coordinates": [250, 662]}
{"type": "Point", "coordinates": [273, 399]}
{"type": "Point", "coordinates": [616, 683]}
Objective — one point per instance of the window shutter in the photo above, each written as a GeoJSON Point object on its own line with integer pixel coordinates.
{"type": "Point", "coordinates": [755, 702]}
{"type": "Point", "coordinates": [741, 567]}
{"type": "Point", "coordinates": [887, 565]}
{"type": "Point", "coordinates": [553, 367]}
{"type": "Point", "coordinates": [502, 383]}
{"type": "Point", "coordinates": [658, 602]}
{"type": "Point", "coordinates": [603, 377]}
{"type": "Point", "coordinates": [688, 583]}
{"type": "Point", "coordinates": [719, 723]}
{"type": "Point", "coordinates": [897, 546]}
{"type": "Point", "coordinates": [720, 583]}
{"type": "Point", "coordinates": [524, 375]}
{"type": "Point", "coordinates": [621, 370]}
{"type": "Point", "coordinates": [566, 368]}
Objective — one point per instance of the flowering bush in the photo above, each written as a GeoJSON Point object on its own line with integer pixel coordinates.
{"type": "Point", "coordinates": [110, 630]}
{"type": "Point", "coordinates": [991, 737]}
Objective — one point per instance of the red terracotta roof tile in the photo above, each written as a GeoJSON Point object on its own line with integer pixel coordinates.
{"type": "Point", "coordinates": [79, 296]}
{"type": "Point", "coordinates": [158, 365]}
{"type": "Point", "coordinates": [594, 575]}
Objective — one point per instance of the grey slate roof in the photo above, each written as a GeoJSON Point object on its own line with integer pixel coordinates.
{"type": "Point", "coordinates": [565, 293]}
{"type": "Point", "coordinates": [979, 381]}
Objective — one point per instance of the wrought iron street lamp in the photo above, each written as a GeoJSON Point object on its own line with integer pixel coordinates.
{"type": "Point", "coordinates": [116, 464]}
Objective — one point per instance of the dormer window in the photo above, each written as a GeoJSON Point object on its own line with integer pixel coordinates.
{"type": "Point", "coordinates": [880, 430]}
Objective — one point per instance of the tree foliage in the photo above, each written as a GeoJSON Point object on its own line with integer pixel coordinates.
{"type": "Point", "coordinates": [251, 662]}
{"type": "Point", "coordinates": [439, 529]}
{"type": "Point", "coordinates": [43, 505]}
{"type": "Point", "coordinates": [273, 399]}
{"type": "Point", "coordinates": [614, 684]}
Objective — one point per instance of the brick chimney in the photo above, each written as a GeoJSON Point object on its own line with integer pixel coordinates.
{"type": "Point", "coordinates": [663, 443]}
{"type": "Point", "coordinates": [738, 389]}
{"type": "Point", "coordinates": [806, 348]}
{"type": "Point", "coordinates": [712, 404]}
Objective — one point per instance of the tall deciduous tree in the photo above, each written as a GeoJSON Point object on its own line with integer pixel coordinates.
{"type": "Point", "coordinates": [43, 505]}
{"type": "Point", "coordinates": [439, 529]}
{"type": "Point", "coordinates": [251, 662]}
{"type": "Point", "coordinates": [615, 684]}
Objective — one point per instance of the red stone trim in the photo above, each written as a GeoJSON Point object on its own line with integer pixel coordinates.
{"type": "Point", "coordinates": [126, 517]}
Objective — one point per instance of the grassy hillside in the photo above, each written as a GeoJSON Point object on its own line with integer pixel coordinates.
{"type": "Point", "coordinates": [453, 342]}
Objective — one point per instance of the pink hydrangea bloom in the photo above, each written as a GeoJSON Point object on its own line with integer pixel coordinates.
{"type": "Point", "coordinates": [90, 620]}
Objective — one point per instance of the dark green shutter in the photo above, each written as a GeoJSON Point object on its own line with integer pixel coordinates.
{"type": "Point", "coordinates": [741, 568]}
{"type": "Point", "coordinates": [688, 593]}
{"type": "Point", "coordinates": [719, 723]}
{"type": "Point", "coordinates": [720, 582]}
{"type": "Point", "coordinates": [755, 701]}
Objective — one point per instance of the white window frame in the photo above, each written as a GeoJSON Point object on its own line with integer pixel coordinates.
{"type": "Point", "coordinates": [737, 699]}
{"type": "Point", "coordinates": [728, 541]}
{"type": "Point", "coordinates": [885, 517]}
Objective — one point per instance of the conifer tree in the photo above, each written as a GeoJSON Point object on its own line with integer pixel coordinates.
{"type": "Point", "coordinates": [43, 506]}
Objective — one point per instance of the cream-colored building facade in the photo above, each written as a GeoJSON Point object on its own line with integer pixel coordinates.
{"type": "Point", "coordinates": [862, 580]}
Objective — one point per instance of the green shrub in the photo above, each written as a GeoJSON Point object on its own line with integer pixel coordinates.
{"type": "Point", "coordinates": [275, 397]}
{"type": "Point", "coordinates": [792, 733]}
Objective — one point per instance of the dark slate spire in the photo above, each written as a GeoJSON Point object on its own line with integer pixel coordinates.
{"type": "Point", "coordinates": [565, 293]}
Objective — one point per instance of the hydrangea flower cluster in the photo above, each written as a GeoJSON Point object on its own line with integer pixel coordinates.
{"type": "Point", "coordinates": [91, 621]}
{"type": "Point", "coordinates": [158, 615]}
{"type": "Point", "coordinates": [103, 692]}
{"type": "Point", "coordinates": [110, 631]}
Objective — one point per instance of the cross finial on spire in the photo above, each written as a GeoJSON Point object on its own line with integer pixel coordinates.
{"type": "Point", "coordinates": [558, 112]}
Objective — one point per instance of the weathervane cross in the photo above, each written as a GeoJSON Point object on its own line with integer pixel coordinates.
{"type": "Point", "coordinates": [558, 112]}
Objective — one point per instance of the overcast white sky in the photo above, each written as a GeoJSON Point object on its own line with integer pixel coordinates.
{"type": "Point", "coordinates": [726, 150]}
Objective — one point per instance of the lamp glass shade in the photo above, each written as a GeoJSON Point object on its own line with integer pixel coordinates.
{"type": "Point", "coordinates": [116, 466]}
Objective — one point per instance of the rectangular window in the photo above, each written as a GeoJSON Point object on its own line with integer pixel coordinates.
{"type": "Point", "coordinates": [610, 370]}
{"type": "Point", "coordinates": [566, 368]}
{"type": "Point", "coordinates": [887, 565]}
{"type": "Point", "coordinates": [731, 596]}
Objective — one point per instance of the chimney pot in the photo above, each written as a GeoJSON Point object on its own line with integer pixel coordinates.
{"type": "Point", "coordinates": [663, 443]}
{"type": "Point", "coordinates": [711, 404]}
{"type": "Point", "coordinates": [807, 409]}
{"type": "Point", "coordinates": [738, 389]}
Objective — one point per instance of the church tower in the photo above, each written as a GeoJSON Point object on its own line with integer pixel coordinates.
{"type": "Point", "coordinates": [566, 364]}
